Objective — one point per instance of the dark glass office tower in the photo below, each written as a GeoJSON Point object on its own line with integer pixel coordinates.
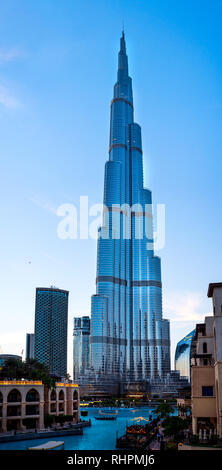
{"type": "Point", "coordinates": [129, 338]}
{"type": "Point", "coordinates": [51, 317]}
{"type": "Point", "coordinates": [30, 345]}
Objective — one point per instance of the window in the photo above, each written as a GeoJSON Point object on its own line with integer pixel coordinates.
{"type": "Point", "coordinates": [204, 347]}
{"type": "Point", "coordinates": [207, 391]}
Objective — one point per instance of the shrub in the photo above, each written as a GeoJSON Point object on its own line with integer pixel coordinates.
{"type": "Point", "coordinates": [171, 445]}
{"type": "Point", "coordinates": [48, 420]}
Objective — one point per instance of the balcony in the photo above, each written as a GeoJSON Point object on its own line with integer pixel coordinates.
{"type": "Point", "coordinates": [32, 410]}
{"type": "Point", "coordinates": [32, 396]}
{"type": "Point", "coordinates": [53, 408]}
{"type": "Point", "coordinates": [14, 397]}
{"type": "Point", "coordinates": [13, 411]}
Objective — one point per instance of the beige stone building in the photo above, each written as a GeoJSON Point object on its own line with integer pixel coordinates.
{"type": "Point", "coordinates": [206, 371]}
{"type": "Point", "coordinates": [24, 399]}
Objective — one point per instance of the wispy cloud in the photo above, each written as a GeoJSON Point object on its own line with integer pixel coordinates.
{"type": "Point", "coordinates": [185, 307]}
{"type": "Point", "coordinates": [7, 99]}
{"type": "Point", "coordinates": [9, 54]}
{"type": "Point", "coordinates": [44, 204]}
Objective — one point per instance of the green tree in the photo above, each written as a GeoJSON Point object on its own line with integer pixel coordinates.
{"type": "Point", "coordinates": [49, 420]}
{"type": "Point", "coordinates": [30, 370]}
{"type": "Point", "coordinates": [164, 410]}
{"type": "Point", "coordinates": [174, 426]}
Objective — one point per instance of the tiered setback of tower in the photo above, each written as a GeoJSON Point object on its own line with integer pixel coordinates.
{"type": "Point", "coordinates": [129, 339]}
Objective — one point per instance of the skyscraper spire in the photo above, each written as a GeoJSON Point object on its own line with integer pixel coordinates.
{"type": "Point", "coordinates": [123, 87]}
{"type": "Point", "coordinates": [129, 338]}
{"type": "Point", "coordinates": [122, 43]}
{"type": "Point", "coordinates": [122, 60]}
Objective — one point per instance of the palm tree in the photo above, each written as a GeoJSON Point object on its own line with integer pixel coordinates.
{"type": "Point", "coordinates": [164, 410]}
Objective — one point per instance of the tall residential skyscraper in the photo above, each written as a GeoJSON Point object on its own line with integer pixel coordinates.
{"type": "Point", "coordinates": [51, 317]}
{"type": "Point", "coordinates": [81, 346]}
{"type": "Point", "coordinates": [129, 338]}
{"type": "Point", "coordinates": [30, 345]}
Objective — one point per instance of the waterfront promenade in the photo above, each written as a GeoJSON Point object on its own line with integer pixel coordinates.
{"type": "Point", "coordinates": [156, 443]}
{"type": "Point", "coordinates": [72, 430]}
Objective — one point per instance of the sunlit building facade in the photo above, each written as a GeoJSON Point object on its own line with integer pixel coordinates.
{"type": "Point", "coordinates": [130, 340]}
{"type": "Point", "coordinates": [183, 355]}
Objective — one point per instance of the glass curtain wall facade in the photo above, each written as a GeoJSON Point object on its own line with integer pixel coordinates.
{"type": "Point", "coordinates": [51, 319]}
{"type": "Point", "coordinates": [130, 340]}
{"type": "Point", "coordinates": [81, 347]}
{"type": "Point", "coordinates": [183, 355]}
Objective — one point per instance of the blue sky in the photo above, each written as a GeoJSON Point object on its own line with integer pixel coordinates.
{"type": "Point", "coordinates": [58, 64]}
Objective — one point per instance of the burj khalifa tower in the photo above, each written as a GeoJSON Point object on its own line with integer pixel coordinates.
{"type": "Point", "coordinates": [130, 341]}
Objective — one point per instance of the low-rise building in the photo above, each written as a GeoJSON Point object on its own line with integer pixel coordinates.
{"type": "Point", "coordinates": [206, 371]}
{"type": "Point", "coordinates": [63, 400]}
{"type": "Point", "coordinates": [24, 403]}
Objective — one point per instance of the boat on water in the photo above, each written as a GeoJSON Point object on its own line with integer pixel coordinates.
{"type": "Point", "coordinates": [106, 416]}
{"type": "Point", "coordinates": [51, 445]}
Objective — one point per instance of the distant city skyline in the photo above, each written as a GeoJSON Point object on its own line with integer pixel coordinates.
{"type": "Point", "coordinates": [57, 67]}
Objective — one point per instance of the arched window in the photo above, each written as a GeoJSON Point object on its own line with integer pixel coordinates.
{"type": "Point", "coordinates": [14, 396]}
{"type": "Point", "coordinates": [61, 395]}
{"type": "Point", "coordinates": [53, 395]}
{"type": "Point", "coordinates": [204, 347]}
{"type": "Point", "coordinates": [75, 395]}
{"type": "Point", "coordinates": [32, 395]}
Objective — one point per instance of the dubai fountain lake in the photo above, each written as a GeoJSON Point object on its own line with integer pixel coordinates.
{"type": "Point", "coordinates": [101, 435]}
